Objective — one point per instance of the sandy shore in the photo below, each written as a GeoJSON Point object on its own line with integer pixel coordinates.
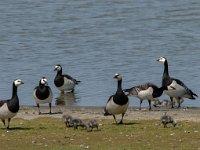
{"type": "Point", "coordinates": [186, 114]}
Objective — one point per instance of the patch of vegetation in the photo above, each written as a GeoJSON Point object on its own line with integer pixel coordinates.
{"type": "Point", "coordinates": [51, 133]}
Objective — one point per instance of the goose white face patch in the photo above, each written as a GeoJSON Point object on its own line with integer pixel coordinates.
{"type": "Point", "coordinates": [43, 81]}
{"type": "Point", "coordinates": [162, 59]}
{"type": "Point", "coordinates": [18, 82]}
{"type": "Point", "coordinates": [58, 67]}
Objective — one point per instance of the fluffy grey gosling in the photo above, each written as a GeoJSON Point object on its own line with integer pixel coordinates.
{"type": "Point", "coordinates": [92, 124]}
{"type": "Point", "coordinates": [166, 119]}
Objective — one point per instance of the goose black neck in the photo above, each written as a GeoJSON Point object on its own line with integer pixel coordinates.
{"type": "Point", "coordinates": [166, 72]}
{"type": "Point", "coordinates": [14, 91]}
{"type": "Point", "coordinates": [59, 72]}
{"type": "Point", "coordinates": [41, 85]}
{"type": "Point", "coordinates": [119, 85]}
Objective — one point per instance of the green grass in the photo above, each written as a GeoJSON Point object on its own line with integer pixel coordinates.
{"type": "Point", "coordinates": [51, 133]}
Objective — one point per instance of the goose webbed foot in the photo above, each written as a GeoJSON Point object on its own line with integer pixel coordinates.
{"type": "Point", "coordinates": [121, 122]}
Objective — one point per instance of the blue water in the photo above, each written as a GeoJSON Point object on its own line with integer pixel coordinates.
{"type": "Point", "coordinates": [93, 40]}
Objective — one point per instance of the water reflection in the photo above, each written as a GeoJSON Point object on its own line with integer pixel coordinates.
{"type": "Point", "coordinates": [67, 99]}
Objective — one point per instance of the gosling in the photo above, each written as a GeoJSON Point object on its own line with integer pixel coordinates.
{"type": "Point", "coordinates": [77, 123]}
{"type": "Point", "coordinates": [67, 119]}
{"type": "Point", "coordinates": [92, 124]}
{"type": "Point", "coordinates": [166, 119]}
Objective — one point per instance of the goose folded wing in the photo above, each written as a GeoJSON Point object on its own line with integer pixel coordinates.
{"type": "Point", "coordinates": [106, 113]}
{"type": "Point", "coordinates": [183, 85]}
{"type": "Point", "coordinates": [70, 78]}
{"type": "Point", "coordinates": [2, 102]}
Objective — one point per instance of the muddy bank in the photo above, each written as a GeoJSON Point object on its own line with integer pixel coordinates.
{"type": "Point", "coordinates": [31, 112]}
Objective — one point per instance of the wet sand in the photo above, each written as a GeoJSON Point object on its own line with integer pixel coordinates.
{"type": "Point", "coordinates": [182, 114]}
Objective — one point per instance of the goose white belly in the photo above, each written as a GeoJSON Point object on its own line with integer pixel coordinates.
{"type": "Point", "coordinates": [5, 112]}
{"type": "Point", "coordinates": [179, 90]}
{"type": "Point", "coordinates": [114, 108]}
{"type": "Point", "coordinates": [67, 86]}
{"type": "Point", "coordinates": [145, 94]}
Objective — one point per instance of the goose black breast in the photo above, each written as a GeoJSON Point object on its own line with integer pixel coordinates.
{"type": "Point", "coordinates": [42, 93]}
{"type": "Point", "coordinates": [120, 98]}
{"type": "Point", "coordinates": [59, 81]}
{"type": "Point", "coordinates": [13, 106]}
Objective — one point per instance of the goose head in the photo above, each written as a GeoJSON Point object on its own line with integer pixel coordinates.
{"type": "Point", "coordinates": [57, 67]}
{"type": "Point", "coordinates": [18, 82]}
{"type": "Point", "coordinates": [118, 76]}
{"type": "Point", "coordinates": [162, 59]}
{"type": "Point", "coordinates": [43, 81]}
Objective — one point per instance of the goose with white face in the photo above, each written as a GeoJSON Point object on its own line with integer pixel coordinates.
{"type": "Point", "coordinates": [10, 107]}
{"type": "Point", "coordinates": [43, 94]}
{"type": "Point", "coordinates": [64, 82]}
{"type": "Point", "coordinates": [175, 87]}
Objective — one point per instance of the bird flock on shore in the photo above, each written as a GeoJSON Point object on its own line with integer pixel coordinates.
{"type": "Point", "coordinates": [117, 103]}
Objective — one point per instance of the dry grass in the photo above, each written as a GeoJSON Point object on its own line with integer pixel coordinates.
{"type": "Point", "coordinates": [51, 133]}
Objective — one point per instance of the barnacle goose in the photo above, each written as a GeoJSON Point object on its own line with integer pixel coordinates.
{"type": "Point", "coordinates": [10, 107]}
{"type": "Point", "coordinates": [43, 94]}
{"type": "Point", "coordinates": [180, 89]}
{"type": "Point", "coordinates": [64, 82]}
{"type": "Point", "coordinates": [117, 103]}
{"type": "Point", "coordinates": [147, 91]}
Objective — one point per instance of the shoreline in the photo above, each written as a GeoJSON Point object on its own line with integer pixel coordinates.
{"type": "Point", "coordinates": [89, 112]}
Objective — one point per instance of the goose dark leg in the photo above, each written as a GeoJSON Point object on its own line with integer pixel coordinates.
{"type": "Point", "coordinates": [179, 102]}
{"type": "Point", "coordinates": [171, 98]}
{"type": "Point", "coordinates": [38, 106]}
{"type": "Point", "coordinates": [140, 105]}
{"type": "Point", "coordinates": [8, 123]}
{"type": "Point", "coordinates": [3, 122]}
{"type": "Point", "coordinates": [121, 122]}
{"type": "Point", "coordinates": [115, 118]}
{"type": "Point", "coordinates": [50, 108]}
{"type": "Point", "coordinates": [149, 104]}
